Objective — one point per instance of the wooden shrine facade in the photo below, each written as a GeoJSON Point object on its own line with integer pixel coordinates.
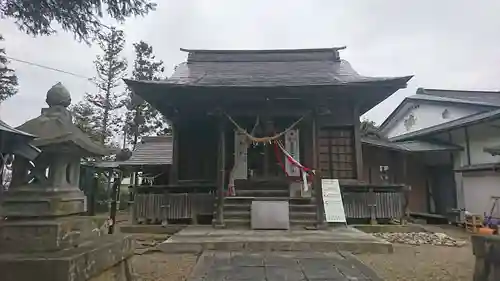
{"type": "Point", "coordinates": [309, 100]}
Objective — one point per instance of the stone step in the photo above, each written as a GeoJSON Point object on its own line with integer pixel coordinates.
{"type": "Point", "coordinates": [245, 222]}
{"type": "Point", "coordinates": [292, 215]}
{"type": "Point", "coordinates": [249, 199]}
{"type": "Point", "coordinates": [246, 206]}
{"type": "Point", "coordinates": [262, 184]}
{"type": "Point", "coordinates": [263, 193]}
{"type": "Point", "coordinates": [195, 240]}
{"type": "Point", "coordinates": [250, 186]}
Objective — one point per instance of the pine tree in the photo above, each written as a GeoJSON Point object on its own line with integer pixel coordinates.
{"type": "Point", "coordinates": [85, 118]}
{"type": "Point", "coordinates": [369, 128]}
{"type": "Point", "coordinates": [80, 17]}
{"type": "Point", "coordinates": [98, 112]}
{"type": "Point", "coordinates": [8, 79]}
{"type": "Point", "coordinates": [142, 118]}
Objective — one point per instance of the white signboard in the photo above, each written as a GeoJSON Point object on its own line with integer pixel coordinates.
{"type": "Point", "coordinates": [292, 146]}
{"type": "Point", "coordinates": [240, 156]}
{"type": "Point", "coordinates": [332, 199]}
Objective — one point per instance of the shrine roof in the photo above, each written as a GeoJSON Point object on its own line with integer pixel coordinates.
{"type": "Point", "coordinates": [151, 151]}
{"type": "Point", "coordinates": [18, 142]}
{"type": "Point", "coordinates": [267, 68]}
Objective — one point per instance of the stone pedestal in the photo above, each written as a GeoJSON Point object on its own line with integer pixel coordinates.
{"type": "Point", "coordinates": [486, 249]}
{"type": "Point", "coordinates": [35, 201]}
{"type": "Point", "coordinates": [44, 238]}
{"type": "Point", "coordinates": [29, 236]}
{"type": "Point", "coordinates": [72, 248]}
{"type": "Point", "coordinates": [104, 259]}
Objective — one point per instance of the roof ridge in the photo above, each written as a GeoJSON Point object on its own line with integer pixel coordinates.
{"type": "Point", "coordinates": [424, 90]}
{"type": "Point", "coordinates": [453, 99]}
{"type": "Point", "coordinates": [261, 51]}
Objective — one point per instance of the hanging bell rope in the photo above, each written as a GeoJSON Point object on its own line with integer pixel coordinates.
{"type": "Point", "coordinates": [264, 139]}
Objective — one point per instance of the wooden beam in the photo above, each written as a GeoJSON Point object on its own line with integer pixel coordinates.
{"type": "Point", "coordinates": [357, 144]}
{"type": "Point", "coordinates": [219, 221]}
{"type": "Point", "coordinates": [452, 160]}
{"type": "Point", "coordinates": [406, 207]}
{"type": "Point", "coordinates": [269, 128]}
{"type": "Point", "coordinates": [276, 112]}
{"type": "Point", "coordinates": [318, 191]}
{"type": "Point", "coordinates": [174, 167]}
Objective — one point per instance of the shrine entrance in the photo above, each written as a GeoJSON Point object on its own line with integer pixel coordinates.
{"type": "Point", "coordinates": [259, 151]}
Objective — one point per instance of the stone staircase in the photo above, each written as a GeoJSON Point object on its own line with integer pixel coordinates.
{"type": "Point", "coordinates": [302, 211]}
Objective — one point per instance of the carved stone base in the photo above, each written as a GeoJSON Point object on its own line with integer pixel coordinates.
{"type": "Point", "coordinates": [48, 235]}
{"type": "Point", "coordinates": [106, 258]}
{"type": "Point", "coordinates": [33, 201]}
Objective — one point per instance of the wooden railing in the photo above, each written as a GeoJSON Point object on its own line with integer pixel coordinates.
{"type": "Point", "coordinates": [374, 201]}
{"type": "Point", "coordinates": [160, 204]}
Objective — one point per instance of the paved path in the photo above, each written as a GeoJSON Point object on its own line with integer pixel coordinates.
{"type": "Point", "coordinates": [280, 266]}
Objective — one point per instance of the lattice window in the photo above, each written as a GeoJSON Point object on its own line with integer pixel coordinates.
{"type": "Point", "coordinates": [336, 153]}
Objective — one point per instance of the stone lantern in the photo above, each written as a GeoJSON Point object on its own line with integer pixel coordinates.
{"type": "Point", "coordinates": [44, 205]}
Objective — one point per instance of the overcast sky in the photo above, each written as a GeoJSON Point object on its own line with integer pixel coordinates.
{"type": "Point", "coordinates": [451, 44]}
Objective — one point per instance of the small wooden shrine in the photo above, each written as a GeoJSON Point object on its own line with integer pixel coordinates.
{"type": "Point", "coordinates": [266, 125]}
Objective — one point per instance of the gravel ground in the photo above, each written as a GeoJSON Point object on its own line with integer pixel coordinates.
{"type": "Point", "coordinates": [425, 262]}
{"type": "Point", "coordinates": [151, 265]}
{"type": "Point", "coordinates": [163, 267]}
{"type": "Point", "coordinates": [407, 263]}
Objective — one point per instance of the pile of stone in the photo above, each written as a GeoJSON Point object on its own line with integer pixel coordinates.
{"type": "Point", "coordinates": [420, 238]}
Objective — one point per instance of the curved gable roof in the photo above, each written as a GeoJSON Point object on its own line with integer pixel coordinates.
{"type": "Point", "coordinates": [269, 68]}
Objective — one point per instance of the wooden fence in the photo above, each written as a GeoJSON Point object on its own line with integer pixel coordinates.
{"type": "Point", "coordinates": [155, 208]}
{"type": "Point", "coordinates": [374, 202]}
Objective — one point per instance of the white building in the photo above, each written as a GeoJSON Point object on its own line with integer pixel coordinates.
{"type": "Point", "coordinates": [470, 119]}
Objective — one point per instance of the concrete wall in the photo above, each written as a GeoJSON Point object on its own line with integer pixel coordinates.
{"type": "Point", "coordinates": [474, 189]}
{"type": "Point", "coordinates": [479, 138]}
{"type": "Point", "coordinates": [426, 115]}
{"type": "Point", "coordinates": [478, 189]}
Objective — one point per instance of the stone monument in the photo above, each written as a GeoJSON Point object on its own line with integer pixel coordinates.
{"type": "Point", "coordinates": [44, 236]}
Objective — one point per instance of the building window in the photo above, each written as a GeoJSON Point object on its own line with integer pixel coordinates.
{"type": "Point", "coordinates": [337, 158]}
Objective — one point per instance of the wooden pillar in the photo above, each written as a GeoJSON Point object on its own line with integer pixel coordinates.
{"type": "Point", "coordinates": [221, 164]}
{"type": "Point", "coordinates": [372, 204]}
{"type": "Point", "coordinates": [134, 198]}
{"type": "Point", "coordinates": [269, 129]}
{"type": "Point", "coordinates": [452, 164]}
{"type": "Point", "coordinates": [393, 167]}
{"type": "Point", "coordinates": [467, 145]}
{"type": "Point", "coordinates": [406, 207]}
{"type": "Point", "coordinates": [174, 167]}
{"type": "Point", "coordinates": [317, 189]}
{"type": "Point", "coordinates": [92, 195]}
{"type": "Point", "coordinates": [357, 144]}
{"type": "Point", "coordinates": [115, 193]}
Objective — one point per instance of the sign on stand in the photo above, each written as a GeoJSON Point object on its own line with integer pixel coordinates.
{"type": "Point", "coordinates": [332, 200]}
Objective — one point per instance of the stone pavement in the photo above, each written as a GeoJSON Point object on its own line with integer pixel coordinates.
{"type": "Point", "coordinates": [280, 266]}
{"type": "Point", "coordinates": [196, 239]}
